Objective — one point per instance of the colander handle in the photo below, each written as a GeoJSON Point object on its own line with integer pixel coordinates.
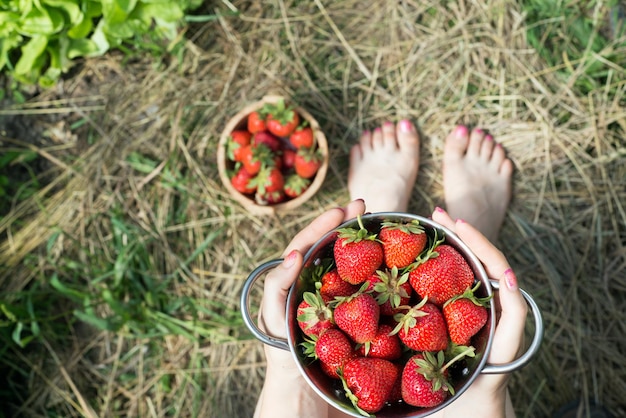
{"type": "Point", "coordinates": [245, 311]}
{"type": "Point", "coordinates": [534, 345]}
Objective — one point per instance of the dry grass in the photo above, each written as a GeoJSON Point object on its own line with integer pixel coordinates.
{"type": "Point", "coordinates": [352, 65]}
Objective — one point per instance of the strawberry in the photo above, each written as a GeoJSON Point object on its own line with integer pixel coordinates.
{"type": "Point", "coordinates": [383, 345]}
{"type": "Point", "coordinates": [289, 158]}
{"type": "Point", "coordinates": [465, 315]}
{"type": "Point", "coordinates": [264, 137]}
{"type": "Point", "coordinates": [302, 137]}
{"type": "Point", "coordinates": [422, 327]}
{"type": "Point", "coordinates": [281, 120]}
{"type": "Point", "coordinates": [237, 140]}
{"type": "Point", "coordinates": [368, 382]}
{"type": "Point", "coordinates": [269, 198]}
{"type": "Point", "coordinates": [402, 242]}
{"type": "Point", "coordinates": [333, 348]}
{"type": "Point", "coordinates": [390, 290]}
{"type": "Point", "coordinates": [357, 315]}
{"type": "Point", "coordinates": [253, 157]}
{"type": "Point", "coordinates": [268, 180]}
{"type": "Point", "coordinates": [307, 162]}
{"type": "Point", "coordinates": [256, 122]}
{"type": "Point", "coordinates": [424, 378]}
{"type": "Point", "coordinates": [296, 185]}
{"type": "Point", "coordinates": [313, 316]}
{"type": "Point", "coordinates": [332, 286]}
{"type": "Point", "coordinates": [441, 274]}
{"type": "Point", "coordinates": [357, 253]}
{"type": "Point", "coordinates": [241, 181]}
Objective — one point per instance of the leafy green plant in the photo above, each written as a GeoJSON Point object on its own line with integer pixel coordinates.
{"type": "Point", "coordinates": [572, 36]}
{"type": "Point", "coordinates": [40, 39]}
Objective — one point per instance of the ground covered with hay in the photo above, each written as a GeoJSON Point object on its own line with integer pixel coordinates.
{"type": "Point", "coordinates": [121, 269]}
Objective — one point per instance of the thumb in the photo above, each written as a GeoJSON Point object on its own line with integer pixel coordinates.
{"type": "Point", "coordinates": [275, 290]}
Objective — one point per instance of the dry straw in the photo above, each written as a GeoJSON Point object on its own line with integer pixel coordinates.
{"type": "Point", "coordinates": [353, 65]}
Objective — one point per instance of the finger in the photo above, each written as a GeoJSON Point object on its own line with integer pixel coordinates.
{"type": "Point", "coordinates": [510, 328]}
{"type": "Point", "coordinates": [443, 218]}
{"type": "Point", "coordinates": [354, 208]}
{"type": "Point", "coordinates": [276, 287]}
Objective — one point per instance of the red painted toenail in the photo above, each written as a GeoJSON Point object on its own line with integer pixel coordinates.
{"type": "Point", "coordinates": [406, 126]}
{"type": "Point", "coordinates": [461, 131]}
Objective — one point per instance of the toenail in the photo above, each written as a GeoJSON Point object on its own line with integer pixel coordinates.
{"type": "Point", "coordinates": [460, 131]}
{"type": "Point", "coordinates": [406, 126]}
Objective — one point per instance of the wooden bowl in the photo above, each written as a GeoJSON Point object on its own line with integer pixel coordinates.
{"type": "Point", "coordinates": [225, 165]}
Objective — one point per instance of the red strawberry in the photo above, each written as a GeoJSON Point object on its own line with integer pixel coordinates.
{"type": "Point", "coordinates": [357, 316]}
{"type": "Point", "coordinates": [465, 315]}
{"type": "Point", "coordinates": [253, 157]}
{"type": "Point", "coordinates": [332, 286]}
{"type": "Point", "coordinates": [268, 139]}
{"type": "Point", "coordinates": [241, 181]}
{"type": "Point", "coordinates": [269, 198]}
{"type": "Point", "coordinates": [296, 185]}
{"type": "Point", "coordinates": [289, 158]}
{"type": "Point", "coordinates": [333, 348]}
{"type": "Point", "coordinates": [390, 290]}
{"type": "Point", "coordinates": [422, 328]}
{"type": "Point", "coordinates": [302, 137]}
{"type": "Point", "coordinates": [357, 254]}
{"type": "Point", "coordinates": [236, 142]}
{"type": "Point", "coordinates": [402, 242]}
{"type": "Point", "coordinates": [313, 316]}
{"type": "Point", "coordinates": [368, 382]}
{"type": "Point", "coordinates": [442, 274]}
{"type": "Point", "coordinates": [425, 378]}
{"type": "Point", "coordinates": [307, 162]}
{"type": "Point", "coordinates": [384, 345]}
{"type": "Point", "coordinates": [268, 180]}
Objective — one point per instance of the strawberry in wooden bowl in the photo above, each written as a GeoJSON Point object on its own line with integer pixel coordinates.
{"type": "Point", "coordinates": [272, 156]}
{"type": "Point", "coordinates": [392, 315]}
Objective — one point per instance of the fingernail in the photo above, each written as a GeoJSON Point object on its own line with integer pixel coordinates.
{"type": "Point", "coordinates": [366, 132]}
{"type": "Point", "coordinates": [461, 221]}
{"type": "Point", "coordinates": [489, 138]}
{"type": "Point", "coordinates": [406, 126]}
{"type": "Point", "coordinates": [360, 200]}
{"type": "Point", "coordinates": [478, 131]}
{"type": "Point", "coordinates": [460, 131]}
{"type": "Point", "coordinates": [290, 260]}
{"type": "Point", "coordinates": [438, 209]}
{"type": "Point", "coordinates": [510, 279]}
{"type": "Point", "coordinates": [388, 124]}
{"type": "Point", "coordinates": [377, 130]}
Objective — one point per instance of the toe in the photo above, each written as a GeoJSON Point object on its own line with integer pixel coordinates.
{"type": "Point", "coordinates": [377, 138]}
{"type": "Point", "coordinates": [356, 154]}
{"type": "Point", "coordinates": [389, 140]}
{"type": "Point", "coordinates": [407, 136]}
{"type": "Point", "coordinates": [506, 168]}
{"type": "Point", "coordinates": [486, 148]}
{"type": "Point", "coordinates": [475, 142]}
{"type": "Point", "coordinates": [366, 140]}
{"type": "Point", "coordinates": [456, 143]}
{"type": "Point", "coordinates": [498, 155]}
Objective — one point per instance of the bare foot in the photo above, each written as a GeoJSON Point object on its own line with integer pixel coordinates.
{"type": "Point", "coordinates": [476, 180]}
{"type": "Point", "coordinates": [383, 167]}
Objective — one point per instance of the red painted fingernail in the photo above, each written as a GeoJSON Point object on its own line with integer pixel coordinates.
{"type": "Point", "coordinates": [489, 138]}
{"type": "Point", "coordinates": [290, 260]}
{"type": "Point", "coordinates": [388, 124]}
{"type": "Point", "coordinates": [438, 209]}
{"type": "Point", "coordinates": [366, 132]}
{"type": "Point", "coordinates": [377, 130]}
{"type": "Point", "coordinates": [461, 221]}
{"type": "Point", "coordinates": [478, 131]}
{"type": "Point", "coordinates": [510, 279]}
